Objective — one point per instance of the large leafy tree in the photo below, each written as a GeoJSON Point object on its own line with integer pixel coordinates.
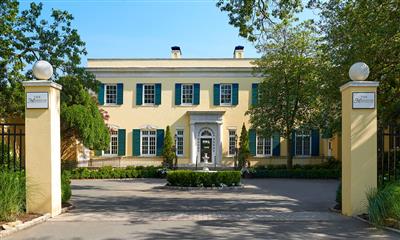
{"type": "Point", "coordinates": [288, 95]}
{"type": "Point", "coordinates": [25, 37]}
{"type": "Point", "coordinates": [368, 31]}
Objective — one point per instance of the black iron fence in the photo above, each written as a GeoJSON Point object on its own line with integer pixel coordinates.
{"type": "Point", "coordinates": [12, 146]}
{"type": "Point", "coordinates": [388, 154]}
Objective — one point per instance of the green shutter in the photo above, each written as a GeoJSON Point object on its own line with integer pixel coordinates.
{"type": "Point", "coordinates": [276, 144]}
{"type": "Point", "coordinates": [293, 148]}
{"type": "Point", "coordinates": [121, 142]}
{"type": "Point", "coordinates": [315, 142]}
{"type": "Point", "coordinates": [160, 141]}
{"type": "Point", "coordinates": [178, 93]}
{"type": "Point", "coordinates": [100, 94]}
{"type": "Point", "coordinates": [254, 94]}
{"type": "Point", "coordinates": [252, 142]}
{"type": "Point", "coordinates": [235, 94]}
{"type": "Point", "coordinates": [158, 94]}
{"type": "Point", "coordinates": [120, 93]}
{"type": "Point", "coordinates": [136, 142]}
{"type": "Point", "coordinates": [196, 94]}
{"type": "Point", "coordinates": [139, 94]}
{"type": "Point", "coordinates": [216, 95]}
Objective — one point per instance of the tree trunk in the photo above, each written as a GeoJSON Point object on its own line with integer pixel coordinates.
{"type": "Point", "coordinates": [289, 162]}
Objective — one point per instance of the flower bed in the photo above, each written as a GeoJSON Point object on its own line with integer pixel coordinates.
{"type": "Point", "coordinates": [188, 178]}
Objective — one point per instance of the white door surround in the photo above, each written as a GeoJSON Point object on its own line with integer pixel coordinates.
{"type": "Point", "coordinates": [200, 122]}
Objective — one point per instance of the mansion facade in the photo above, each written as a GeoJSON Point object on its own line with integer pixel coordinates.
{"type": "Point", "coordinates": [204, 102]}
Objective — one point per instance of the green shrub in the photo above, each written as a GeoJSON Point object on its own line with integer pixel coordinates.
{"type": "Point", "coordinates": [384, 203]}
{"type": "Point", "coordinates": [108, 172]}
{"type": "Point", "coordinates": [188, 178]}
{"type": "Point", "coordinates": [12, 194]}
{"type": "Point", "coordinates": [294, 173]}
{"type": "Point", "coordinates": [65, 188]}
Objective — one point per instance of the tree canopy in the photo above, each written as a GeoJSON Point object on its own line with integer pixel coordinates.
{"type": "Point", "coordinates": [25, 37]}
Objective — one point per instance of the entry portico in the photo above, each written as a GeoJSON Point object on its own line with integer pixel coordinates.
{"type": "Point", "coordinates": [206, 132]}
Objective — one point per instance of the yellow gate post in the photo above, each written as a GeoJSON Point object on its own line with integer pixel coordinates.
{"type": "Point", "coordinates": [359, 140]}
{"type": "Point", "coordinates": [42, 140]}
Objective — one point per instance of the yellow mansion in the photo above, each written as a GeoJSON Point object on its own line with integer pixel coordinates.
{"type": "Point", "coordinates": [204, 101]}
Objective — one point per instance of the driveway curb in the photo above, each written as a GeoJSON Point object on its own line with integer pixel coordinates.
{"type": "Point", "coordinates": [386, 228]}
{"type": "Point", "coordinates": [31, 223]}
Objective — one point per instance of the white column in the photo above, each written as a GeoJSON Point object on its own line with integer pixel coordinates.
{"type": "Point", "coordinates": [219, 146]}
{"type": "Point", "coordinates": [193, 143]}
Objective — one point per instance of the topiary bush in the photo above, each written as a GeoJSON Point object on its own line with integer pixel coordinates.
{"type": "Point", "coordinates": [188, 178]}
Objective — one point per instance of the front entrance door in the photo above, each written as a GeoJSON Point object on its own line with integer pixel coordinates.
{"type": "Point", "coordinates": [206, 150]}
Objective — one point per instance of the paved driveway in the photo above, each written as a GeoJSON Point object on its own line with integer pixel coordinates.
{"type": "Point", "coordinates": [142, 209]}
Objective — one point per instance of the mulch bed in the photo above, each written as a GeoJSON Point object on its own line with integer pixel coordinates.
{"type": "Point", "coordinates": [23, 218]}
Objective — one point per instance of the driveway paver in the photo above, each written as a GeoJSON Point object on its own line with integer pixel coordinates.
{"type": "Point", "coordinates": [263, 209]}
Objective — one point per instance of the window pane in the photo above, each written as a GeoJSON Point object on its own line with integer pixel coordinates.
{"type": "Point", "coordinates": [267, 146]}
{"type": "Point", "coordinates": [299, 145]}
{"type": "Point", "coordinates": [113, 146]}
{"type": "Point", "coordinates": [187, 93]}
{"type": "Point", "coordinates": [179, 142]}
{"type": "Point", "coordinates": [260, 145]}
{"type": "Point", "coordinates": [148, 94]}
{"type": "Point", "coordinates": [226, 93]}
{"type": "Point", "coordinates": [306, 145]}
{"type": "Point", "coordinates": [111, 94]}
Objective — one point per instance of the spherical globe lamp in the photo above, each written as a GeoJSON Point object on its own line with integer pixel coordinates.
{"type": "Point", "coordinates": [359, 71]}
{"type": "Point", "coordinates": [42, 70]}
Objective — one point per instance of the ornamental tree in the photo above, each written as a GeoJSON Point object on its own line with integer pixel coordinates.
{"type": "Point", "coordinates": [288, 94]}
{"type": "Point", "coordinates": [168, 149]}
{"type": "Point", "coordinates": [244, 149]}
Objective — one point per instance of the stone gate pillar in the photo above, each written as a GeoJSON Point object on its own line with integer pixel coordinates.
{"type": "Point", "coordinates": [359, 140]}
{"type": "Point", "coordinates": [42, 140]}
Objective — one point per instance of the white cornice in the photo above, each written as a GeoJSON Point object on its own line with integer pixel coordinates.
{"type": "Point", "coordinates": [359, 84]}
{"type": "Point", "coordinates": [42, 83]}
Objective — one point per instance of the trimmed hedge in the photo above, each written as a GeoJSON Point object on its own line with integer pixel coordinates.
{"type": "Point", "coordinates": [188, 178]}
{"type": "Point", "coordinates": [294, 173]}
{"type": "Point", "coordinates": [65, 188]}
{"type": "Point", "coordinates": [109, 172]}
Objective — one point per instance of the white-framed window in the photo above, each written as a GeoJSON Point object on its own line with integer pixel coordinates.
{"type": "Point", "coordinates": [149, 94]}
{"type": "Point", "coordinates": [303, 143]}
{"type": "Point", "coordinates": [179, 142]}
{"type": "Point", "coordinates": [148, 143]}
{"type": "Point", "coordinates": [113, 146]}
{"type": "Point", "coordinates": [226, 94]}
{"type": "Point", "coordinates": [110, 93]}
{"type": "Point", "coordinates": [264, 146]}
{"type": "Point", "coordinates": [232, 142]}
{"type": "Point", "coordinates": [187, 94]}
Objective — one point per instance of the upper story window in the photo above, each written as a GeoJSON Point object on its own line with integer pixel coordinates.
{"type": "Point", "coordinates": [187, 94]}
{"type": "Point", "coordinates": [148, 143]}
{"type": "Point", "coordinates": [149, 94]}
{"type": "Point", "coordinates": [113, 146]}
{"type": "Point", "coordinates": [179, 142]}
{"type": "Point", "coordinates": [232, 142]}
{"type": "Point", "coordinates": [110, 94]}
{"type": "Point", "coordinates": [226, 94]}
{"type": "Point", "coordinates": [264, 146]}
{"type": "Point", "coordinates": [303, 143]}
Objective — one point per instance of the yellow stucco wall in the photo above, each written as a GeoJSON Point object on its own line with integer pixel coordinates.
{"type": "Point", "coordinates": [129, 116]}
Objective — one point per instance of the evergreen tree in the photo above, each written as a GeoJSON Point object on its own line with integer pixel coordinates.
{"type": "Point", "coordinates": [244, 150]}
{"type": "Point", "coordinates": [168, 150]}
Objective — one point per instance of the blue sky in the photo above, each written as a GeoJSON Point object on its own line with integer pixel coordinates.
{"type": "Point", "coordinates": [148, 28]}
